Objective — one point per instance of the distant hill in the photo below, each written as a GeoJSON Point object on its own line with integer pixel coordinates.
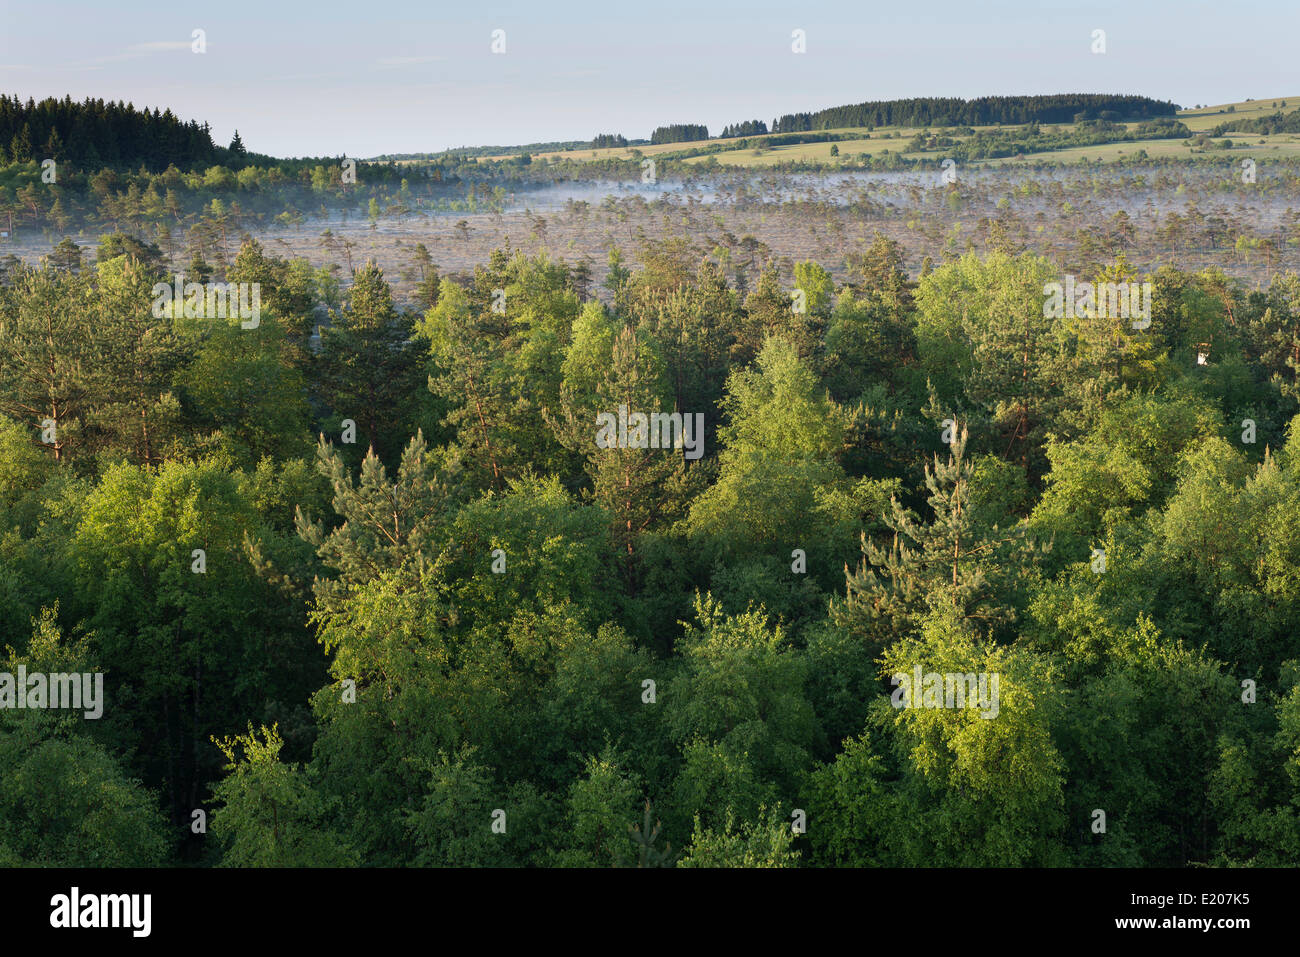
{"type": "Point", "coordinates": [916, 112]}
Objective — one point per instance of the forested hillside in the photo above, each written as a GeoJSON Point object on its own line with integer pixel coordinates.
{"type": "Point", "coordinates": [367, 589]}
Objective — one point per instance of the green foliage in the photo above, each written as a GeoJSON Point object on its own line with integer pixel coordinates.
{"type": "Point", "coordinates": [455, 825]}
{"type": "Point", "coordinates": [935, 786]}
{"type": "Point", "coordinates": [599, 808]}
{"type": "Point", "coordinates": [269, 815]}
{"type": "Point", "coordinates": [65, 799]}
{"type": "Point", "coordinates": [766, 843]}
{"type": "Point", "coordinates": [68, 802]}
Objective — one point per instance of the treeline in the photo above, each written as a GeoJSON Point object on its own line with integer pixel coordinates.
{"type": "Point", "coordinates": [607, 140]}
{"type": "Point", "coordinates": [363, 586]}
{"type": "Point", "coordinates": [983, 111]}
{"type": "Point", "coordinates": [748, 128]}
{"type": "Point", "coordinates": [679, 133]}
{"type": "Point", "coordinates": [94, 134]}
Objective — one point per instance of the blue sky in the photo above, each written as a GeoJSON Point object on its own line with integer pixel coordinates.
{"type": "Point", "coordinates": [353, 78]}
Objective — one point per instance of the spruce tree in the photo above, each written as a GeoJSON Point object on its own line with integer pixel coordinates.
{"type": "Point", "coordinates": [951, 562]}
{"type": "Point", "coordinates": [644, 838]}
{"type": "Point", "coordinates": [369, 363]}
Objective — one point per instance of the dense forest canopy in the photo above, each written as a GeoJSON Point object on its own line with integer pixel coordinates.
{"type": "Point", "coordinates": [427, 596]}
